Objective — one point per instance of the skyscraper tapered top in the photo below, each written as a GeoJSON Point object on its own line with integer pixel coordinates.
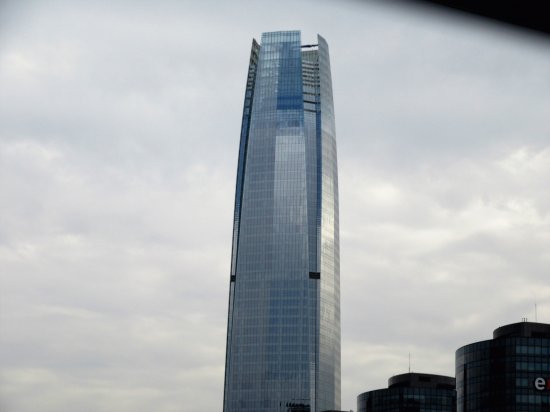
{"type": "Point", "coordinates": [283, 332]}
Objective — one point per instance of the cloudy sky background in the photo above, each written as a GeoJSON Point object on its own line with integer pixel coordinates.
{"type": "Point", "coordinates": [119, 128]}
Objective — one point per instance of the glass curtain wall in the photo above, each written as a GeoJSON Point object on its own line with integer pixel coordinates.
{"type": "Point", "coordinates": [283, 335]}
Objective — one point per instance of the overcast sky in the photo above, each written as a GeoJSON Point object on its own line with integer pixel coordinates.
{"type": "Point", "coordinates": [119, 132]}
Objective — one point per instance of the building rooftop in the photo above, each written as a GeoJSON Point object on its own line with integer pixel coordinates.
{"type": "Point", "coordinates": [523, 330]}
{"type": "Point", "coordinates": [421, 380]}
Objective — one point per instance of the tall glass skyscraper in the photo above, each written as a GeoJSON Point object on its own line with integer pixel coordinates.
{"type": "Point", "coordinates": [283, 332]}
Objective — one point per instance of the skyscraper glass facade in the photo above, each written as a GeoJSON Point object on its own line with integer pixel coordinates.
{"type": "Point", "coordinates": [283, 333]}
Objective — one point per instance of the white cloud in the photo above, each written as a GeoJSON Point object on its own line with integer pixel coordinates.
{"type": "Point", "coordinates": [118, 144]}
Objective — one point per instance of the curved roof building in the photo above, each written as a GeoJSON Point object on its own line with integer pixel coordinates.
{"type": "Point", "coordinates": [411, 392]}
{"type": "Point", "coordinates": [510, 372]}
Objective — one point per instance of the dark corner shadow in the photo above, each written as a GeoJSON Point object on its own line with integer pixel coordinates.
{"type": "Point", "coordinates": [527, 15]}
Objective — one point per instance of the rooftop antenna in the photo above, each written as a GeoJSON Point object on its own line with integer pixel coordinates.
{"type": "Point", "coordinates": [536, 320]}
{"type": "Point", "coordinates": [409, 362]}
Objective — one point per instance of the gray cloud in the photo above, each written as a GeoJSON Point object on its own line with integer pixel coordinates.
{"type": "Point", "coordinates": [119, 128]}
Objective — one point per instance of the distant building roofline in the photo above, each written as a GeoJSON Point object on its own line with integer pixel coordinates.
{"type": "Point", "coordinates": [421, 380]}
{"type": "Point", "coordinates": [523, 330]}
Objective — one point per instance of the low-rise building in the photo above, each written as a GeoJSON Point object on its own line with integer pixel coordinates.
{"type": "Point", "coordinates": [411, 392]}
{"type": "Point", "coordinates": [510, 372]}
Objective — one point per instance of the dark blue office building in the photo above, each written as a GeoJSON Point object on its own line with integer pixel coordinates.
{"type": "Point", "coordinates": [411, 392]}
{"type": "Point", "coordinates": [509, 373]}
{"type": "Point", "coordinates": [283, 331]}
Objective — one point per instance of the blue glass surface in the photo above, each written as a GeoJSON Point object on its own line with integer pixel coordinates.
{"type": "Point", "coordinates": [283, 335]}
